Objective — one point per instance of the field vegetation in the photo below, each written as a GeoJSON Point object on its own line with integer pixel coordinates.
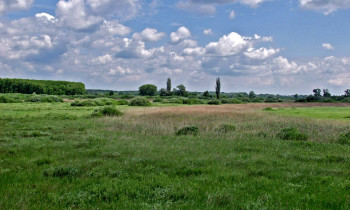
{"type": "Point", "coordinates": [232, 156]}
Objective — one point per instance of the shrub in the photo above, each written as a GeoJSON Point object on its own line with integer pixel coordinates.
{"type": "Point", "coordinates": [174, 101]}
{"type": "Point", "coordinates": [344, 138]}
{"type": "Point", "coordinates": [5, 99]}
{"type": "Point", "coordinates": [61, 172]}
{"type": "Point", "coordinates": [190, 130]}
{"type": "Point", "coordinates": [106, 111]}
{"type": "Point", "coordinates": [139, 102]}
{"type": "Point", "coordinates": [122, 102]}
{"type": "Point", "coordinates": [226, 128]}
{"type": "Point", "coordinates": [148, 90]}
{"type": "Point", "coordinates": [292, 133]}
{"type": "Point", "coordinates": [268, 109]}
{"type": "Point", "coordinates": [214, 102]}
{"type": "Point", "coordinates": [231, 101]}
{"type": "Point", "coordinates": [157, 100]}
{"type": "Point", "coordinates": [191, 101]}
{"type": "Point", "coordinates": [301, 100]}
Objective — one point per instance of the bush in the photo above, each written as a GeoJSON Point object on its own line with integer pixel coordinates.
{"type": "Point", "coordinates": [174, 101]}
{"type": "Point", "coordinates": [214, 102]}
{"type": "Point", "coordinates": [122, 102]}
{"type": "Point", "coordinates": [292, 133]}
{"type": "Point", "coordinates": [190, 130]}
{"type": "Point", "coordinates": [226, 128]}
{"type": "Point", "coordinates": [106, 111]}
{"type": "Point", "coordinates": [139, 102]}
{"type": "Point", "coordinates": [231, 101]}
{"type": "Point", "coordinates": [5, 99]}
{"type": "Point", "coordinates": [268, 109]}
{"type": "Point", "coordinates": [344, 138]}
{"type": "Point", "coordinates": [301, 100]}
{"type": "Point", "coordinates": [61, 172]}
{"type": "Point", "coordinates": [95, 102]}
{"type": "Point", "coordinates": [158, 100]}
{"type": "Point", "coordinates": [148, 90]}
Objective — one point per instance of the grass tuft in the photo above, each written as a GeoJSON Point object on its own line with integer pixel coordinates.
{"type": "Point", "coordinates": [190, 130]}
{"type": "Point", "coordinates": [292, 133]}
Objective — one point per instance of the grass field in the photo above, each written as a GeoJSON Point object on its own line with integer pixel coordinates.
{"type": "Point", "coordinates": [54, 156]}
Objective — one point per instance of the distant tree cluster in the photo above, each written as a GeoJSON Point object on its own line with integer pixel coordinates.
{"type": "Point", "coordinates": [41, 87]}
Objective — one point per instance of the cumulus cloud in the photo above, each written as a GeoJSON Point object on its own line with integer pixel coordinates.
{"type": "Point", "coordinates": [327, 46]}
{"type": "Point", "coordinates": [261, 53]}
{"type": "Point", "coordinates": [149, 34]}
{"type": "Point", "coordinates": [227, 45]}
{"type": "Point", "coordinates": [180, 34]}
{"type": "Point", "coordinates": [9, 5]}
{"type": "Point", "coordinates": [136, 49]}
{"type": "Point", "coordinates": [102, 59]}
{"type": "Point", "coordinates": [73, 14]}
{"type": "Point", "coordinates": [325, 6]}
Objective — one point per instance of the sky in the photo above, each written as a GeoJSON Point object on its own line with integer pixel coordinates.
{"type": "Point", "coordinates": [266, 46]}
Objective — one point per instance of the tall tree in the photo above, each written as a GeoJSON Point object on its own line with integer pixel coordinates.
{"type": "Point", "coordinates": [347, 93]}
{"type": "Point", "coordinates": [218, 87]}
{"type": "Point", "coordinates": [326, 93]}
{"type": "Point", "coordinates": [168, 85]}
{"type": "Point", "coordinates": [317, 92]}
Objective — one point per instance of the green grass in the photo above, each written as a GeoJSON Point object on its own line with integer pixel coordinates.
{"type": "Point", "coordinates": [53, 156]}
{"type": "Point", "coordinates": [318, 112]}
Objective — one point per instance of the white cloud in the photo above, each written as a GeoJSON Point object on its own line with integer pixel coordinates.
{"type": "Point", "coordinates": [113, 28]}
{"type": "Point", "coordinates": [149, 34]}
{"type": "Point", "coordinates": [119, 71]}
{"type": "Point", "coordinates": [9, 5]}
{"type": "Point", "coordinates": [227, 45]}
{"type": "Point", "coordinates": [102, 59]}
{"type": "Point", "coordinates": [261, 53]}
{"type": "Point", "coordinates": [232, 14]}
{"type": "Point", "coordinates": [46, 17]}
{"type": "Point", "coordinates": [207, 31]}
{"type": "Point", "coordinates": [73, 14]}
{"type": "Point", "coordinates": [327, 46]}
{"type": "Point", "coordinates": [181, 33]}
{"type": "Point", "coordinates": [325, 6]}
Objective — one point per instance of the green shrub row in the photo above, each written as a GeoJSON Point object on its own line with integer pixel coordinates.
{"type": "Point", "coordinates": [99, 102]}
{"type": "Point", "coordinates": [20, 98]}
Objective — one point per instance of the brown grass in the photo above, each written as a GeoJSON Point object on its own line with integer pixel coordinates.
{"type": "Point", "coordinates": [250, 120]}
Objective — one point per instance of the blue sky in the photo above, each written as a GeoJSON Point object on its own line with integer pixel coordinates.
{"type": "Point", "coordinates": [268, 46]}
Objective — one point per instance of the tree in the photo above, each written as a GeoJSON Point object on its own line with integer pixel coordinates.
{"type": "Point", "coordinates": [296, 96]}
{"type": "Point", "coordinates": [251, 94]}
{"type": "Point", "coordinates": [326, 93]}
{"type": "Point", "coordinates": [168, 85]}
{"type": "Point", "coordinates": [206, 94]}
{"type": "Point", "coordinates": [148, 90]}
{"type": "Point", "coordinates": [111, 93]}
{"type": "Point", "coordinates": [163, 92]}
{"type": "Point", "coordinates": [347, 93]}
{"type": "Point", "coordinates": [181, 90]}
{"type": "Point", "coordinates": [317, 92]}
{"type": "Point", "coordinates": [217, 88]}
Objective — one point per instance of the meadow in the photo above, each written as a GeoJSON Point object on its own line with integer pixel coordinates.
{"type": "Point", "coordinates": [56, 156]}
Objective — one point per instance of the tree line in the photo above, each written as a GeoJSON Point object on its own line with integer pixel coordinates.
{"type": "Point", "coordinates": [48, 87]}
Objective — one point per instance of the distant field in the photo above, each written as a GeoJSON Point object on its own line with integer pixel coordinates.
{"type": "Point", "coordinates": [54, 156]}
{"type": "Point", "coordinates": [318, 112]}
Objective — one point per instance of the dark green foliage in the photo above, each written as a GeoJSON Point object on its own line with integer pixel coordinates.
{"type": "Point", "coordinates": [122, 102]}
{"type": "Point", "coordinates": [157, 100]}
{"type": "Point", "coordinates": [140, 102]}
{"type": "Point", "coordinates": [106, 111]}
{"type": "Point", "coordinates": [190, 130]}
{"type": "Point", "coordinates": [61, 172]}
{"type": "Point", "coordinates": [268, 109]}
{"type": "Point", "coordinates": [292, 133]}
{"type": "Point", "coordinates": [226, 128]}
{"type": "Point", "coordinates": [41, 87]}
{"type": "Point", "coordinates": [344, 138]}
{"type": "Point", "coordinates": [231, 101]}
{"type": "Point", "coordinates": [214, 102]}
{"type": "Point", "coordinates": [181, 90]}
{"type": "Point", "coordinates": [148, 90]}
{"type": "Point", "coordinates": [218, 88]}
{"type": "Point", "coordinates": [6, 99]}
{"type": "Point", "coordinates": [96, 102]}
{"type": "Point", "coordinates": [173, 101]}
{"type": "Point", "coordinates": [192, 101]}
{"type": "Point", "coordinates": [206, 94]}
{"type": "Point", "coordinates": [168, 86]}
{"type": "Point", "coordinates": [19, 98]}
{"type": "Point", "coordinates": [301, 100]}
